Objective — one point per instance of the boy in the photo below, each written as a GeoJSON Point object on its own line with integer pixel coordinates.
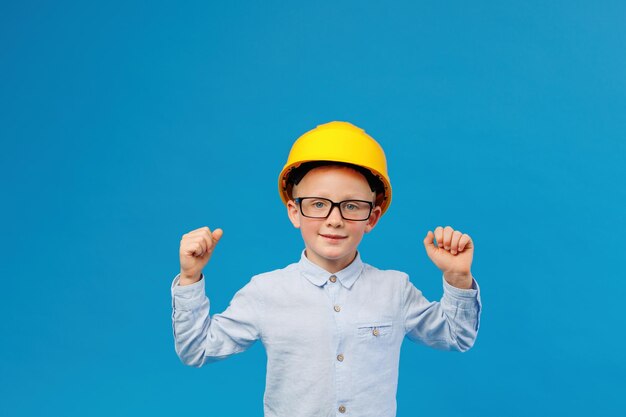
{"type": "Point", "coordinates": [332, 326]}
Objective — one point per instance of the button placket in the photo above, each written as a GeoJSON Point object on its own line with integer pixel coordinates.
{"type": "Point", "coordinates": [340, 366]}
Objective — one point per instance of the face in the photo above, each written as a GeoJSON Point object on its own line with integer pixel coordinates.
{"type": "Point", "coordinates": [332, 243]}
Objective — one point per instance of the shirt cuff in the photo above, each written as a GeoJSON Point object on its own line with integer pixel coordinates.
{"type": "Point", "coordinates": [461, 296]}
{"type": "Point", "coordinates": [187, 297]}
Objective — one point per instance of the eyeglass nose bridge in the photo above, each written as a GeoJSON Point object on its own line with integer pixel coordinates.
{"type": "Point", "coordinates": [332, 207]}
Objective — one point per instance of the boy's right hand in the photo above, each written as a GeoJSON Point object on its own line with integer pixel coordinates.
{"type": "Point", "coordinates": [196, 248]}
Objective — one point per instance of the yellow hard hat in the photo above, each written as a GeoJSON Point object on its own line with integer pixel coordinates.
{"type": "Point", "coordinates": [338, 142]}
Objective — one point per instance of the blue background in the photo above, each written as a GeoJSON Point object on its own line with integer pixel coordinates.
{"type": "Point", "coordinates": [126, 124]}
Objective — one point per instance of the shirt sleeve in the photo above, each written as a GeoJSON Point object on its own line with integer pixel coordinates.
{"type": "Point", "coordinates": [200, 338]}
{"type": "Point", "coordinates": [450, 324]}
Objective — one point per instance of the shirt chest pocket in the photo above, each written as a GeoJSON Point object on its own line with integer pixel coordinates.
{"type": "Point", "coordinates": [374, 330]}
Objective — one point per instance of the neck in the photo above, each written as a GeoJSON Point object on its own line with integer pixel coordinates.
{"type": "Point", "coordinates": [331, 265]}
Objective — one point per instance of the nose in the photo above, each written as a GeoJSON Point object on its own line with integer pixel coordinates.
{"type": "Point", "coordinates": [334, 217]}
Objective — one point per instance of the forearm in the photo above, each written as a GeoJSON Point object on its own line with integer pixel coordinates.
{"type": "Point", "coordinates": [462, 308]}
{"type": "Point", "coordinates": [190, 324]}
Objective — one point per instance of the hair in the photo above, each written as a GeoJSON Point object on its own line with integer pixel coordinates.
{"type": "Point", "coordinates": [295, 176]}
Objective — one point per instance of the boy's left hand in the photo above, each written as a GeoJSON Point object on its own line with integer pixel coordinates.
{"type": "Point", "coordinates": [453, 255]}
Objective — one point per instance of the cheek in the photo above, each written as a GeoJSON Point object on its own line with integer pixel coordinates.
{"type": "Point", "coordinates": [308, 229]}
{"type": "Point", "coordinates": [358, 230]}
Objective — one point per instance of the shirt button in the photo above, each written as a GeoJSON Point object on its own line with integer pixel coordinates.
{"type": "Point", "coordinates": [342, 409]}
{"type": "Point", "coordinates": [333, 278]}
{"type": "Point", "coordinates": [375, 332]}
{"type": "Point", "coordinates": [340, 357]}
{"type": "Point", "coordinates": [337, 309]}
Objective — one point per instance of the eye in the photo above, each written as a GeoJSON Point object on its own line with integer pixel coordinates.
{"type": "Point", "coordinates": [351, 206]}
{"type": "Point", "coordinates": [317, 204]}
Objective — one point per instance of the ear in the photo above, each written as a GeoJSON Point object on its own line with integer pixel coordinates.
{"type": "Point", "coordinates": [294, 213]}
{"type": "Point", "coordinates": [374, 217]}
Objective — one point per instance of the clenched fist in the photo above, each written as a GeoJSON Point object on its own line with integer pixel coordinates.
{"type": "Point", "coordinates": [453, 255]}
{"type": "Point", "coordinates": [196, 248]}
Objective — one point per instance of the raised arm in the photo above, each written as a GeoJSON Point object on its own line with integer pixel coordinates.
{"type": "Point", "coordinates": [452, 323]}
{"type": "Point", "coordinates": [200, 338]}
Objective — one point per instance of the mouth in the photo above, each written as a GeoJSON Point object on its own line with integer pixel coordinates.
{"type": "Point", "coordinates": [333, 237]}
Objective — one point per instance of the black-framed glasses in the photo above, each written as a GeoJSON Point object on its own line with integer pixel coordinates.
{"type": "Point", "coordinates": [320, 208]}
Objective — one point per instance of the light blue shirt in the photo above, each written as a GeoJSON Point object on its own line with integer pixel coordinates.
{"type": "Point", "coordinates": [332, 340]}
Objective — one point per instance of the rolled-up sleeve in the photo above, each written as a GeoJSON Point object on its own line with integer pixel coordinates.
{"type": "Point", "coordinates": [450, 324]}
{"type": "Point", "coordinates": [200, 338]}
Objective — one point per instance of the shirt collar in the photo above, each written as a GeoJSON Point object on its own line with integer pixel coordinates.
{"type": "Point", "coordinates": [319, 276]}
